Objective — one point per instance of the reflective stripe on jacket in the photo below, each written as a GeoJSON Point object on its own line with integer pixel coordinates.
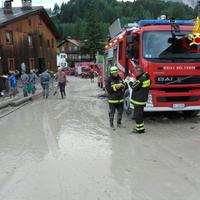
{"type": "Point", "coordinates": [115, 95]}
{"type": "Point", "coordinates": [140, 89]}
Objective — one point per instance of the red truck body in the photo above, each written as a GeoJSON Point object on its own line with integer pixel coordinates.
{"type": "Point", "coordinates": [172, 62]}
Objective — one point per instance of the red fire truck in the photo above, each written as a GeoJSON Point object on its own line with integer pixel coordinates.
{"type": "Point", "coordinates": [170, 52]}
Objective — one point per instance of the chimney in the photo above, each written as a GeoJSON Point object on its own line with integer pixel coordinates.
{"type": "Point", "coordinates": [26, 4]}
{"type": "Point", "coordinates": [8, 7]}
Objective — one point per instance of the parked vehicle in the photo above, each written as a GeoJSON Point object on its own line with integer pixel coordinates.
{"type": "Point", "coordinates": [169, 51]}
{"type": "Point", "coordinates": [83, 69]}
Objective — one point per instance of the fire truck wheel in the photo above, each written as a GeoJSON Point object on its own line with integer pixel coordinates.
{"type": "Point", "coordinates": [127, 107]}
{"type": "Point", "coordinates": [191, 113]}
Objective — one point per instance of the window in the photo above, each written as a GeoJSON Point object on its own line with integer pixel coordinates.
{"type": "Point", "coordinates": [11, 64]}
{"type": "Point", "coordinates": [120, 50]}
{"type": "Point", "coordinates": [160, 45]}
{"type": "Point", "coordinates": [48, 43]}
{"type": "Point", "coordinates": [9, 37]}
{"type": "Point", "coordinates": [29, 22]}
{"type": "Point", "coordinates": [52, 43]}
{"type": "Point", "coordinates": [40, 21]}
{"type": "Point", "coordinates": [40, 40]}
{"type": "Point", "coordinates": [30, 40]}
{"type": "Point", "coordinates": [31, 63]}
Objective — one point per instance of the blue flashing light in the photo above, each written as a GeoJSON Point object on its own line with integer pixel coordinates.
{"type": "Point", "coordinates": [148, 22]}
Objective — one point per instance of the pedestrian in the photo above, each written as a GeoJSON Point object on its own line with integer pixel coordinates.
{"type": "Point", "coordinates": [139, 97]}
{"type": "Point", "coordinates": [92, 75]}
{"type": "Point", "coordinates": [33, 80]}
{"type": "Point", "coordinates": [115, 88]}
{"type": "Point", "coordinates": [66, 79]}
{"type": "Point", "coordinates": [45, 80]}
{"type": "Point", "coordinates": [25, 81]}
{"type": "Point", "coordinates": [12, 85]}
{"type": "Point", "coordinates": [61, 78]}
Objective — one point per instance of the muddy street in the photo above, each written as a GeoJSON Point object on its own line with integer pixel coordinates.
{"type": "Point", "coordinates": [64, 150]}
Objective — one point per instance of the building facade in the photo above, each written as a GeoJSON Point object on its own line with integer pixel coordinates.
{"type": "Point", "coordinates": [27, 35]}
{"type": "Point", "coordinates": [72, 48]}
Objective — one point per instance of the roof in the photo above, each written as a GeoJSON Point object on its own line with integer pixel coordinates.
{"type": "Point", "coordinates": [19, 13]}
{"type": "Point", "coordinates": [75, 42]}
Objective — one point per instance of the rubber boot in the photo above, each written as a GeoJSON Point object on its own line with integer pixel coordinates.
{"type": "Point", "coordinates": [138, 132]}
{"type": "Point", "coordinates": [112, 124]}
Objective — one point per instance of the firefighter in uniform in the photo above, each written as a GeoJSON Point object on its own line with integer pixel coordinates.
{"type": "Point", "coordinates": [115, 88]}
{"type": "Point", "coordinates": [139, 97]}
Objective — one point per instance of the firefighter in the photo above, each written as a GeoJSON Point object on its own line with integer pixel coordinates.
{"type": "Point", "coordinates": [139, 97]}
{"type": "Point", "coordinates": [115, 88]}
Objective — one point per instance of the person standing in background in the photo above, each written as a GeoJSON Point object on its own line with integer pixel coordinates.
{"type": "Point", "coordinates": [33, 80]}
{"type": "Point", "coordinates": [61, 78]}
{"type": "Point", "coordinates": [45, 80]}
{"type": "Point", "coordinates": [12, 85]}
{"type": "Point", "coordinates": [25, 81]}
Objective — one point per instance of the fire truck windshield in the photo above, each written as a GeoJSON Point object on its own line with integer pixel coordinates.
{"type": "Point", "coordinates": [162, 45]}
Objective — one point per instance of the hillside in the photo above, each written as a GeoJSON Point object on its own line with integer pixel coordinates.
{"type": "Point", "coordinates": [72, 18]}
{"type": "Point", "coordinates": [191, 3]}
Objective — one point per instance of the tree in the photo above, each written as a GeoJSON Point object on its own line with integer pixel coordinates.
{"type": "Point", "coordinates": [75, 15]}
{"type": "Point", "coordinates": [94, 30]}
{"type": "Point", "coordinates": [56, 10]}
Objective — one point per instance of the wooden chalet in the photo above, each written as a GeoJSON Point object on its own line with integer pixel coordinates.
{"type": "Point", "coordinates": [27, 35]}
{"type": "Point", "coordinates": [72, 48]}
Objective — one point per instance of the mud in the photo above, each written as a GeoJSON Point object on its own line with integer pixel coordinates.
{"type": "Point", "coordinates": [64, 150]}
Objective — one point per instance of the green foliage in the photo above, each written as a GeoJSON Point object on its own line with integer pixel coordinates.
{"type": "Point", "coordinates": [94, 30]}
{"type": "Point", "coordinates": [89, 19]}
{"type": "Point", "coordinates": [56, 10]}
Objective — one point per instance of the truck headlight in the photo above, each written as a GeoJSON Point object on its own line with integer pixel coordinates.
{"type": "Point", "coordinates": [150, 100]}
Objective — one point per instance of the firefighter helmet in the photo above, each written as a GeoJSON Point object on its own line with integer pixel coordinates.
{"type": "Point", "coordinates": [113, 69]}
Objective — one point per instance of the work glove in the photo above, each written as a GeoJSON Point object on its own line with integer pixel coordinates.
{"type": "Point", "coordinates": [119, 86]}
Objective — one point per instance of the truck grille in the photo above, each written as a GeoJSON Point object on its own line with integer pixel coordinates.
{"type": "Point", "coordinates": [179, 99]}
{"type": "Point", "coordinates": [177, 80]}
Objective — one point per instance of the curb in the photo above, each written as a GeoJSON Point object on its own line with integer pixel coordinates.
{"type": "Point", "coordinates": [5, 104]}
{"type": "Point", "coordinates": [17, 102]}
{"type": "Point", "coordinates": [20, 101]}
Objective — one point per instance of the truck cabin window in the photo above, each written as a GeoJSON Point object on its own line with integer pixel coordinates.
{"type": "Point", "coordinates": [161, 45]}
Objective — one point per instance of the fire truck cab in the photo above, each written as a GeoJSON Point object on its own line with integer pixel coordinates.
{"type": "Point", "coordinates": [165, 51]}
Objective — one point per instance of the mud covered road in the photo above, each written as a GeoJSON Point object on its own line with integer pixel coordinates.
{"type": "Point", "coordinates": [64, 150]}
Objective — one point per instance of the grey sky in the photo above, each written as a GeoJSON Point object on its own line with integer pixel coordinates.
{"type": "Point", "coordinates": [45, 3]}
